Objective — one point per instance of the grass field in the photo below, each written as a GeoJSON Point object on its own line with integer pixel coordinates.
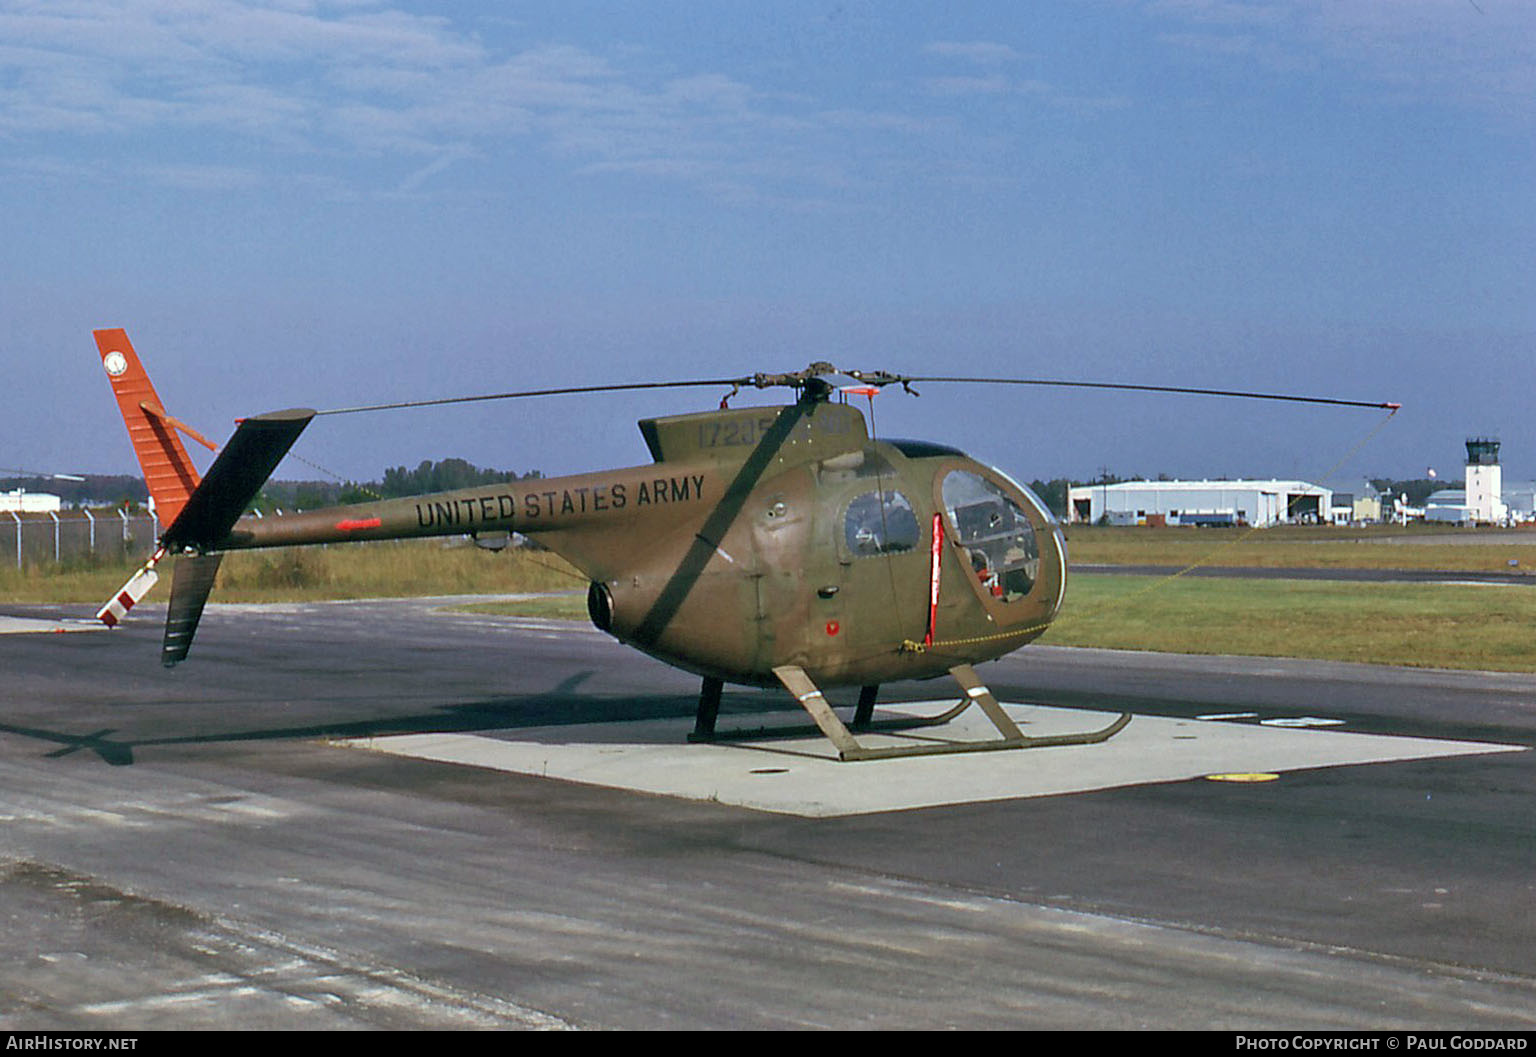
{"type": "Point", "coordinates": [1415, 625]}
{"type": "Point", "coordinates": [1403, 624]}
{"type": "Point", "coordinates": [353, 570]}
{"type": "Point", "coordinates": [1420, 625]}
{"type": "Point", "coordinates": [554, 607]}
{"type": "Point", "coordinates": [1379, 547]}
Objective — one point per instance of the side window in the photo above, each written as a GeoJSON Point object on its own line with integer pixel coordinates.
{"type": "Point", "coordinates": [995, 533]}
{"type": "Point", "coordinates": [881, 523]}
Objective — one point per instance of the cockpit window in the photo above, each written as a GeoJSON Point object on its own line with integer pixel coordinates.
{"type": "Point", "coordinates": [881, 523]}
{"type": "Point", "coordinates": [995, 533]}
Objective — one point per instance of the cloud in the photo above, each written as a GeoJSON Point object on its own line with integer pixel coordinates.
{"type": "Point", "coordinates": [226, 81]}
{"type": "Point", "coordinates": [998, 86]}
{"type": "Point", "coordinates": [203, 177]}
{"type": "Point", "coordinates": [982, 53]}
{"type": "Point", "coordinates": [956, 86]}
{"type": "Point", "coordinates": [136, 65]}
{"type": "Point", "coordinates": [1443, 51]}
{"type": "Point", "coordinates": [1225, 12]}
{"type": "Point", "coordinates": [993, 83]}
{"type": "Point", "coordinates": [442, 163]}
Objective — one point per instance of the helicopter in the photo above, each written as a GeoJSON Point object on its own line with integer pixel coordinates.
{"type": "Point", "coordinates": [764, 546]}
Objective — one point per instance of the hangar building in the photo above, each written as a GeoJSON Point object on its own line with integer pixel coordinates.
{"type": "Point", "coordinates": [22, 502]}
{"type": "Point", "coordinates": [1358, 503]}
{"type": "Point", "coordinates": [1200, 502]}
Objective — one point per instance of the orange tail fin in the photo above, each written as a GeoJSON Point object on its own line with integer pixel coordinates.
{"type": "Point", "coordinates": [168, 472]}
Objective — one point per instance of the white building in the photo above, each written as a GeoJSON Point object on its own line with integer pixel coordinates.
{"type": "Point", "coordinates": [1520, 500]}
{"type": "Point", "coordinates": [1485, 482]}
{"type": "Point", "coordinates": [1482, 501]}
{"type": "Point", "coordinates": [1200, 502]}
{"type": "Point", "coordinates": [1448, 505]}
{"type": "Point", "coordinates": [21, 502]}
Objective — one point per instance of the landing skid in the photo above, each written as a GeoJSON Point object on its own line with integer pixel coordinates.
{"type": "Point", "coordinates": [799, 684]}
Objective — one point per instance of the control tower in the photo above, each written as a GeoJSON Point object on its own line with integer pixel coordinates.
{"type": "Point", "coordinates": [1485, 481]}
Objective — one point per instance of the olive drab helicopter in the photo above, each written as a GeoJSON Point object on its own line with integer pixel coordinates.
{"type": "Point", "coordinates": [765, 546]}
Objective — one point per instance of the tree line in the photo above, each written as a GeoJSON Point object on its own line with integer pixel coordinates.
{"type": "Point", "coordinates": [123, 490]}
{"type": "Point", "coordinates": [446, 475]}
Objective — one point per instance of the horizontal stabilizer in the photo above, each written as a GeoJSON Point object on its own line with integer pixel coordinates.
{"type": "Point", "coordinates": [235, 477]}
{"type": "Point", "coordinates": [191, 581]}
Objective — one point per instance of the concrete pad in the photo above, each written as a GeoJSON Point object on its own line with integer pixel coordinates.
{"type": "Point", "coordinates": [802, 776]}
{"type": "Point", "coordinates": [33, 625]}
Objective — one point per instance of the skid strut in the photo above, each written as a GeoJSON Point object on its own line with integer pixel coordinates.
{"type": "Point", "coordinates": [798, 683]}
{"type": "Point", "coordinates": [709, 709]}
{"type": "Point", "coordinates": [863, 719]}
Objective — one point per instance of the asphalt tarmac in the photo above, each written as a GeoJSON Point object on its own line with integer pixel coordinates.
{"type": "Point", "coordinates": [254, 840]}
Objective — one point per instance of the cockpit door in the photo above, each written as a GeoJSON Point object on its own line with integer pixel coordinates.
{"type": "Point", "coordinates": [995, 527]}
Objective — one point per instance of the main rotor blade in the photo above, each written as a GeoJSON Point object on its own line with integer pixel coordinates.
{"type": "Point", "coordinates": [1380, 405]}
{"type": "Point", "coordinates": [40, 473]}
{"type": "Point", "coordinates": [809, 377]}
{"type": "Point", "coordinates": [537, 392]}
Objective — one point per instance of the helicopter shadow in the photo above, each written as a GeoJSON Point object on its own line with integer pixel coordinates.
{"type": "Point", "coordinates": [561, 708]}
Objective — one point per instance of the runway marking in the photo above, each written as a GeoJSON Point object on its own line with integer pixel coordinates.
{"type": "Point", "coordinates": [653, 757]}
{"type": "Point", "coordinates": [1284, 721]}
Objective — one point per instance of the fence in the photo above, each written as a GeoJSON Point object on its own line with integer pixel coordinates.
{"type": "Point", "coordinates": [32, 539]}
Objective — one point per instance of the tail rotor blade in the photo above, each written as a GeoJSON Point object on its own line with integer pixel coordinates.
{"type": "Point", "coordinates": [131, 593]}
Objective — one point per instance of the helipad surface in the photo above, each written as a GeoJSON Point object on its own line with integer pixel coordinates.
{"type": "Point", "coordinates": [802, 776]}
{"type": "Point", "coordinates": [32, 626]}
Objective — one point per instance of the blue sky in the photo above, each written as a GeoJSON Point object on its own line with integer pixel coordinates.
{"type": "Point", "coordinates": [327, 202]}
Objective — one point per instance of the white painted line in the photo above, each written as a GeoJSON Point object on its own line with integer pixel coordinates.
{"type": "Point", "coordinates": [1230, 715]}
{"type": "Point", "coordinates": [802, 776]}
